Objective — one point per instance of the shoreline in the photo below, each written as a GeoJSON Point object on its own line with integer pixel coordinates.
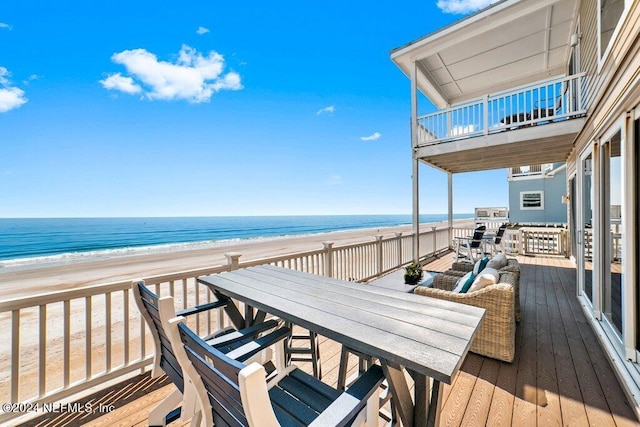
{"type": "Point", "coordinates": [32, 279]}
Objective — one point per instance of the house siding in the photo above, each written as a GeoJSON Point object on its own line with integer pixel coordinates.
{"type": "Point", "coordinates": [589, 50]}
{"type": "Point", "coordinates": [554, 212]}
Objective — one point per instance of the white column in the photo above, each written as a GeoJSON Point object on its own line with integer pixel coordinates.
{"type": "Point", "coordinates": [629, 187]}
{"type": "Point", "coordinates": [450, 207]}
{"type": "Point", "coordinates": [414, 159]}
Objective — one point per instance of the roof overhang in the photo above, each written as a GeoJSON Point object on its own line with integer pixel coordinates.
{"type": "Point", "coordinates": [512, 43]}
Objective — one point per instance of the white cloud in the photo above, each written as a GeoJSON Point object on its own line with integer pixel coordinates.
{"type": "Point", "coordinates": [193, 77]}
{"type": "Point", "coordinates": [10, 96]}
{"type": "Point", "coordinates": [31, 78]}
{"type": "Point", "coordinates": [463, 6]}
{"type": "Point", "coordinates": [202, 30]}
{"type": "Point", "coordinates": [118, 82]}
{"type": "Point", "coordinates": [373, 137]}
{"type": "Point", "coordinates": [326, 110]}
{"type": "Point", "coordinates": [5, 26]}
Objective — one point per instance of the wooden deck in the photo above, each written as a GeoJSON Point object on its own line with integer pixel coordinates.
{"type": "Point", "coordinates": [560, 375]}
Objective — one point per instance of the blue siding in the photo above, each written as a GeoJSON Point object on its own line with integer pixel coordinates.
{"type": "Point", "coordinates": [554, 210]}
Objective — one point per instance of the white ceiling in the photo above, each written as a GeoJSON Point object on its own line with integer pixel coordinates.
{"type": "Point", "coordinates": [515, 42]}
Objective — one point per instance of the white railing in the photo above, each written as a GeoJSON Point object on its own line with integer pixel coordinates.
{"type": "Point", "coordinates": [60, 344]}
{"type": "Point", "coordinates": [529, 170]}
{"type": "Point", "coordinates": [545, 241]}
{"type": "Point", "coordinates": [549, 101]}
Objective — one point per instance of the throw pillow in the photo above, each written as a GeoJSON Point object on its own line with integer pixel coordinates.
{"type": "Point", "coordinates": [468, 283]}
{"type": "Point", "coordinates": [489, 276]}
{"type": "Point", "coordinates": [462, 281]}
{"type": "Point", "coordinates": [480, 265]}
{"type": "Point", "coordinates": [498, 261]}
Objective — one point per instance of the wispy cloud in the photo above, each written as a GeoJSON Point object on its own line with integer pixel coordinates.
{"type": "Point", "coordinates": [326, 110]}
{"type": "Point", "coordinates": [463, 6]}
{"type": "Point", "coordinates": [10, 96]}
{"type": "Point", "coordinates": [31, 78]}
{"type": "Point", "coordinates": [334, 180]}
{"type": "Point", "coordinates": [373, 137]}
{"type": "Point", "coordinates": [202, 30]}
{"type": "Point", "coordinates": [123, 84]}
{"type": "Point", "coordinates": [5, 26]}
{"type": "Point", "coordinates": [193, 77]}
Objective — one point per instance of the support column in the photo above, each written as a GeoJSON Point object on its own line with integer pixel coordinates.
{"type": "Point", "coordinates": [414, 175]}
{"type": "Point", "coordinates": [450, 207]}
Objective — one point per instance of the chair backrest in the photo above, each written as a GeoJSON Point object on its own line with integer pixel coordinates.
{"type": "Point", "coordinates": [149, 305]}
{"type": "Point", "coordinates": [500, 233]}
{"type": "Point", "coordinates": [219, 374]}
{"type": "Point", "coordinates": [476, 240]}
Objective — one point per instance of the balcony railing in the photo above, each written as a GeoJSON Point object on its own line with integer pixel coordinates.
{"type": "Point", "coordinates": [541, 103]}
{"type": "Point", "coordinates": [530, 170]}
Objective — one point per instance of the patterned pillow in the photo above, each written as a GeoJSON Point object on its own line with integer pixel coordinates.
{"type": "Point", "coordinates": [460, 284]}
{"type": "Point", "coordinates": [480, 265]}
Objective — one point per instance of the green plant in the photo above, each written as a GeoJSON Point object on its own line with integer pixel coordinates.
{"type": "Point", "coordinates": [412, 273]}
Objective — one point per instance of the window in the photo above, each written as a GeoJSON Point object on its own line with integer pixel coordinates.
{"type": "Point", "coordinates": [531, 200]}
{"type": "Point", "coordinates": [609, 15]}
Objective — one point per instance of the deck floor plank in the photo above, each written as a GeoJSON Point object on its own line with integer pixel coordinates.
{"type": "Point", "coordinates": [560, 375]}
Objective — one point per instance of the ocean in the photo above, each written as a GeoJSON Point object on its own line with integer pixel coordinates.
{"type": "Point", "coordinates": [33, 240]}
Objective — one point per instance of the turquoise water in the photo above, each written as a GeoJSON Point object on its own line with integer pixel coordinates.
{"type": "Point", "coordinates": [24, 239]}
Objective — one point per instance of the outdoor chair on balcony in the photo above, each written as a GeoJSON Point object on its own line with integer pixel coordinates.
{"type": "Point", "coordinates": [231, 393]}
{"type": "Point", "coordinates": [496, 242]}
{"type": "Point", "coordinates": [497, 332]}
{"type": "Point", "coordinates": [501, 263]}
{"type": "Point", "coordinates": [157, 311]}
{"type": "Point", "coordinates": [471, 248]}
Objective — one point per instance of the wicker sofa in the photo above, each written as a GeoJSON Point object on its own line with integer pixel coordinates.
{"type": "Point", "coordinates": [497, 332]}
{"type": "Point", "coordinates": [459, 269]}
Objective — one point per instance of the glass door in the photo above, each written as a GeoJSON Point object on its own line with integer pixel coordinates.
{"type": "Point", "coordinates": [585, 224]}
{"type": "Point", "coordinates": [612, 250]}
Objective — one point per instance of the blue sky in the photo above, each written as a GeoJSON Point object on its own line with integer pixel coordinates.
{"type": "Point", "coordinates": [211, 108]}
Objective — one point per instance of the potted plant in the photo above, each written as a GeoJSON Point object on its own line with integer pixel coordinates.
{"type": "Point", "coordinates": [412, 273]}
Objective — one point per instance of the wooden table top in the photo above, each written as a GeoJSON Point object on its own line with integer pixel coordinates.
{"type": "Point", "coordinates": [426, 335]}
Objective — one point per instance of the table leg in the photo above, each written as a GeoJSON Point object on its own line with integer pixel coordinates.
{"type": "Point", "coordinates": [434, 406]}
{"type": "Point", "coordinates": [399, 392]}
{"type": "Point", "coordinates": [421, 396]}
{"type": "Point", "coordinates": [232, 312]}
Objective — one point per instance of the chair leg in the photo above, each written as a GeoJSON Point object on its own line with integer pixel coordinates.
{"type": "Point", "coordinates": [157, 416]}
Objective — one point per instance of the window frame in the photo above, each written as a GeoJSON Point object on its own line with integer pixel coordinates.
{"type": "Point", "coordinates": [532, 208]}
{"type": "Point", "coordinates": [603, 55]}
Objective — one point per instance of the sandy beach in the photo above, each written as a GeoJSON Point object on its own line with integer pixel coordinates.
{"type": "Point", "coordinates": [42, 278]}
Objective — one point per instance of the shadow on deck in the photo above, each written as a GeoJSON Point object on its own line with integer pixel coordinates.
{"type": "Point", "coordinates": [560, 375]}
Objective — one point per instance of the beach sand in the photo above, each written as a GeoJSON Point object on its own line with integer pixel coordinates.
{"type": "Point", "coordinates": [23, 281]}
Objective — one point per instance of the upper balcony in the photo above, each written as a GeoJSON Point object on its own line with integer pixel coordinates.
{"type": "Point", "coordinates": [532, 124]}
{"type": "Point", "coordinates": [497, 77]}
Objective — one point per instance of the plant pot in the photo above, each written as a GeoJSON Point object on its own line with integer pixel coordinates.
{"type": "Point", "coordinates": [411, 280]}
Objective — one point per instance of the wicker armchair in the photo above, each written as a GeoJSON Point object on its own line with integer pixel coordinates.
{"type": "Point", "coordinates": [459, 269]}
{"type": "Point", "coordinates": [497, 333]}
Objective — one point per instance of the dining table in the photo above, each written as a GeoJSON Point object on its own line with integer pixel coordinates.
{"type": "Point", "coordinates": [427, 337]}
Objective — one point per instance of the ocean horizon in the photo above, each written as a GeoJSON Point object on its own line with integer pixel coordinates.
{"type": "Point", "coordinates": [33, 240]}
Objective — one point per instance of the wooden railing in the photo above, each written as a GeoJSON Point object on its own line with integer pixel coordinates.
{"type": "Point", "coordinates": [545, 241]}
{"type": "Point", "coordinates": [61, 344]}
{"type": "Point", "coordinates": [549, 101]}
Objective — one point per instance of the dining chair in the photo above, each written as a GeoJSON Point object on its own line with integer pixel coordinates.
{"type": "Point", "coordinates": [157, 311]}
{"type": "Point", "coordinates": [233, 393]}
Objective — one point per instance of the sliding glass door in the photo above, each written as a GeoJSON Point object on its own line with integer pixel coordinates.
{"type": "Point", "coordinates": [612, 230]}
{"type": "Point", "coordinates": [585, 225]}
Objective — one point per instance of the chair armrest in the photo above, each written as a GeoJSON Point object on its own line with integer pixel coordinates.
{"type": "Point", "coordinates": [352, 401]}
{"type": "Point", "coordinates": [443, 281]}
{"type": "Point", "coordinates": [251, 348]}
{"type": "Point", "coordinates": [203, 307]}
{"type": "Point", "coordinates": [233, 336]}
{"type": "Point", "coordinates": [462, 266]}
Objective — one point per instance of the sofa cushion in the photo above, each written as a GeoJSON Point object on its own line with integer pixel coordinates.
{"type": "Point", "coordinates": [462, 282]}
{"type": "Point", "coordinates": [480, 265]}
{"type": "Point", "coordinates": [498, 261]}
{"type": "Point", "coordinates": [488, 276]}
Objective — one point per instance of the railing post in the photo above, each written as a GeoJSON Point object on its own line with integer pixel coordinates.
{"type": "Point", "coordinates": [233, 260]}
{"type": "Point", "coordinates": [485, 105]}
{"type": "Point", "coordinates": [378, 254]}
{"type": "Point", "coordinates": [328, 258]}
{"type": "Point", "coordinates": [435, 241]}
{"type": "Point", "coordinates": [399, 243]}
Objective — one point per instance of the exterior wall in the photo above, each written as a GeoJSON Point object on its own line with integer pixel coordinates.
{"type": "Point", "coordinates": [589, 49]}
{"type": "Point", "coordinates": [554, 211]}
